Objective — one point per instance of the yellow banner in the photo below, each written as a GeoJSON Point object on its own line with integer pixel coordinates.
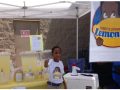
{"type": "Point", "coordinates": [107, 32]}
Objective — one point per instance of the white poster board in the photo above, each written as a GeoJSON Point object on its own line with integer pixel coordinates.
{"type": "Point", "coordinates": [104, 32]}
{"type": "Point", "coordinates": [36, 42]}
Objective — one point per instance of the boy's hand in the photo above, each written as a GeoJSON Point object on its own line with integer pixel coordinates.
{"type": "Point", "coordinates": [46, 63]}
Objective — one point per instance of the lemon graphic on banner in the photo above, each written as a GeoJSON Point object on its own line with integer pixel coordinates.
{"type": "Point", "coordinates": [107, 32]}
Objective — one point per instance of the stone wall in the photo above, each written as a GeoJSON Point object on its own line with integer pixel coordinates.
{"type": "Point", "coordinates": [60, 32]}
{"type": "Point", "coordinates": [6, 35]}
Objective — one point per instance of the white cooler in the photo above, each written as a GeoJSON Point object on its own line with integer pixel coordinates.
{"type": "Point", "coordinates": [82, 81]}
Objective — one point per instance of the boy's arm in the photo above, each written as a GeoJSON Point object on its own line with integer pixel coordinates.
{"type": "Point", "coordinates": [46, 63]}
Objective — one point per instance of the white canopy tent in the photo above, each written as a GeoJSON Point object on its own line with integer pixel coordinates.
{"type": "Point", "coordinates": [31, 9]}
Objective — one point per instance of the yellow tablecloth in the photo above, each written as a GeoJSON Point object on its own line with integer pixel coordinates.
{"type": "Point", "coordinates": [27, 84]}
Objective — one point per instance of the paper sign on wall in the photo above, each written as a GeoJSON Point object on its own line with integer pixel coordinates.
{"type": "Point", "coordinates": [36, 42]}
{"type": "Point", "coordinates": [25, 33]}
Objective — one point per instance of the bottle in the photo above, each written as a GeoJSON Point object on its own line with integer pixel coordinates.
{"type": "Point", "coordinates": [18, 76]}
{"type": "Point", "coordinates": [31, 74]}
{"type": "Point", "coordinates": [11, 71]}
{"type": "Point", "coordinates": [41, 73]}
{"type": "Point", "coordinates": [2, 78]}
{"type": "Point", "coordinates": [30, 71]}
{"type": "Point", "coordinates": [74, 70]}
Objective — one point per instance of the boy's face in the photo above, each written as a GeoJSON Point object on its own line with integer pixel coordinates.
{"type": "Point", "coordinates": [57, 54]}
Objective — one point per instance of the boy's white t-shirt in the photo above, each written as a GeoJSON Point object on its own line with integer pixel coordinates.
{"type": "Point", "coordinates": [56, 71]}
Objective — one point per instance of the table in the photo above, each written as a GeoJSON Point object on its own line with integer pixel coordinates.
{"type": "Point", "coordinates": [82, 81]}
{"type": "Point", "coordinates": [40, 84]}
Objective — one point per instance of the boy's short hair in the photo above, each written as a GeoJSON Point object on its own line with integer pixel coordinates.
{"type": "Point", "coordinates": [55, 48]}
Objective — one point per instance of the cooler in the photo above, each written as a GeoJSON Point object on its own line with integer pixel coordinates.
{"type": "Point", "coordinates": [82, 81]}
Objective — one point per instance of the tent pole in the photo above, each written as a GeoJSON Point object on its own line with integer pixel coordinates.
{"type": "Point", "coordinates": [24, 8]}
{"type": "Point", "coordinates": [77, 18]}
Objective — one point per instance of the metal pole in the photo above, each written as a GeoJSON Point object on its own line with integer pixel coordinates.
{"type": "Point", "coordinates": [77, 18]}
{"type": "Point", "coordinates": [24, 9]}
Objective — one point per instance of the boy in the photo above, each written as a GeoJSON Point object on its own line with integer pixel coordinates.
{"type": "Point", "coordinates": [55, 69]}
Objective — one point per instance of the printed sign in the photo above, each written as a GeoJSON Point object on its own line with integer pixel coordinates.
{"type": "Point", "coordinates": [105, 31]}
{"type": "Point", "coordinates": [25, 33]}
{"type": "Point", "coordinates": [36, 42]}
